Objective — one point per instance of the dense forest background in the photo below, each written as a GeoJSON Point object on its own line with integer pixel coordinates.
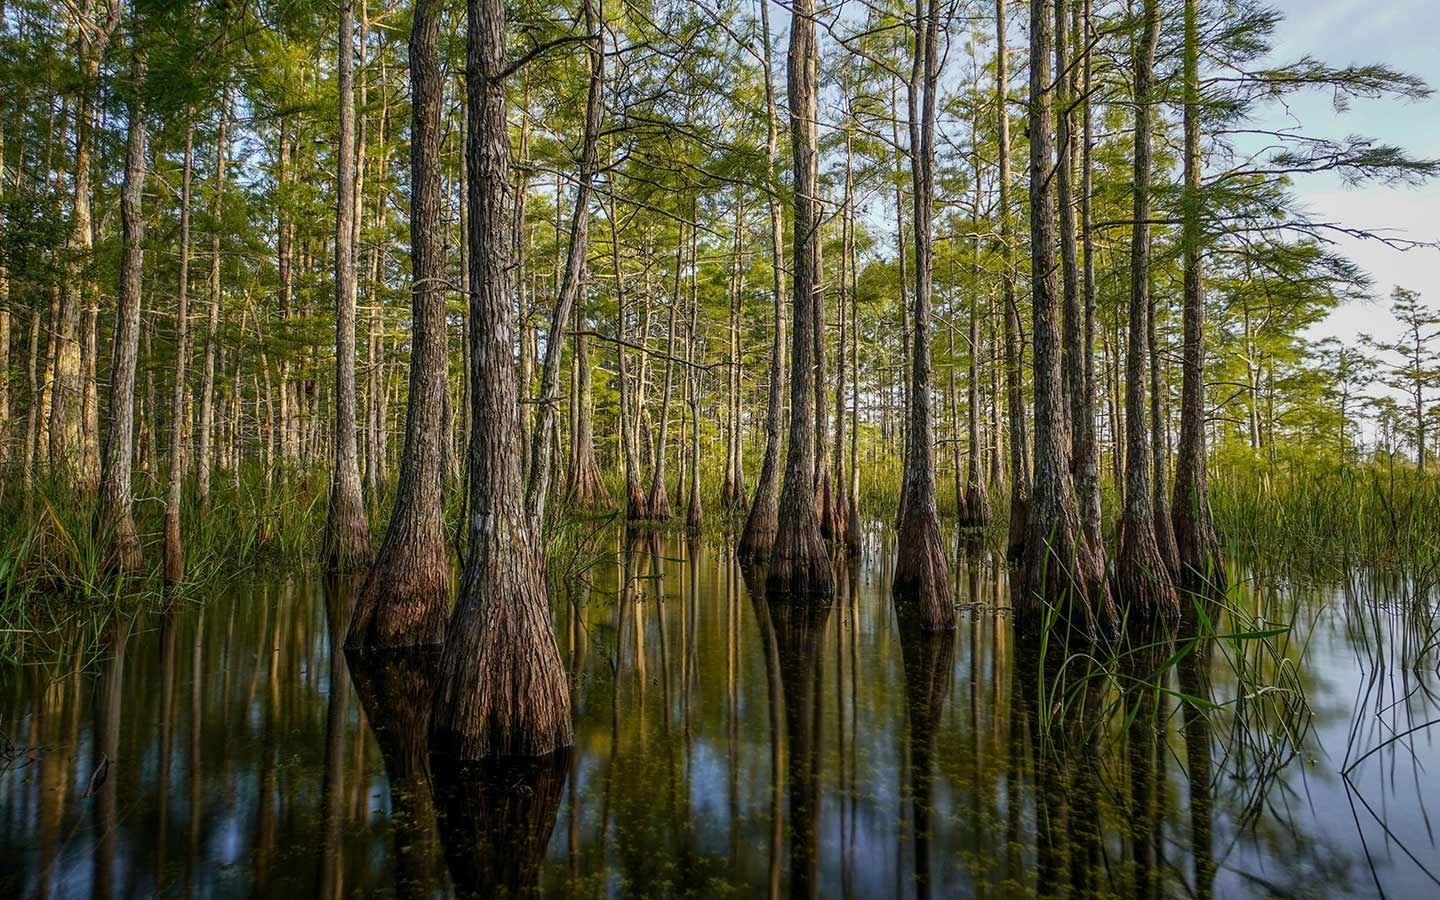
{"type": "Point", "coordinates": [201, 202]}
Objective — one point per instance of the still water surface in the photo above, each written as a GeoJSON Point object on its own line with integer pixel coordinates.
{"type": "Point", "coordinates": [726, 746]}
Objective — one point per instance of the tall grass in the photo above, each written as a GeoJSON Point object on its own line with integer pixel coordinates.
{"type": "Point", "coordinates": [55, 571]}
{"type": "Point", "coordinates": [1325, 515]}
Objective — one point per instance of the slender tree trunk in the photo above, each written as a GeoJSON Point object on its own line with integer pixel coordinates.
{"type": "Point", "coordinates": [799, 560]}
{"type": "Point", "coordinates": [977, 498]}
{"type": "Point", "coordinates": [1014, 347]}
{"type": "Point", "coordinates": [502, 688]}
{"type": "Point", "coordinates": [1059, 570]}
{"type": "Point", "coordinates": [404, 601]}
{"type": "Point", "coordinates": [1087, 451]}
{"type": "Point", "coordinates": [839, 505]}
{"type": "Point", "coordinates": [212, 327]}
{"type": "Point", "coordinates": [347, 530]}
{"type": "Point", "coordinates": [694, 511]}
{"type": "Point", "coordinates": [1141, 575]}
{"type": "Point", "coordinates": [1164, 530]}
{"type": "Point", "coordinates": [179, 414]}
{"type": "Point", "coordinates": [541, 448]}
{"type": "Point", "coordinates": [922, 574]}
{"type": "Point", "coordinates": [637, 504]}
{"type": "Point", "coordinates": [1197, 544]}
{"type": "Point", "coordinates": [732, 494]}
{"type": "Point", "coordinates": [659, 496]}
{"type": "Point", "coordinates": [116, 513]}
{"type": "Point", "coordinates": [758, 536]}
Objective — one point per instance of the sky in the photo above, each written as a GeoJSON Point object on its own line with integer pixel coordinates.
{"type": "Point", "coordinates": [1399, 33]}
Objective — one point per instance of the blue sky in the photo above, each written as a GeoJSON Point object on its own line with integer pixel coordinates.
{"type": "Point", "coordinates": [1400, 33]}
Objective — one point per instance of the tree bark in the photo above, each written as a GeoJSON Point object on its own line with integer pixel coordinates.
{"type": "Point", "coordinates": [542, 447]}
{"type": "Point", "coordinates": [1142, 578]}
{"type": "Point", "coordinates": [347, 530]}
{"type": "Point", "coordinates": [1196, 542]}
{"type": "Point", "coordinates": [405, 599]}
{"type": "Point", "coordinates": [922, 574]}
{"type": "Point", "coordinates": [116, 510]}
{"type": "Point", "coordinates": [1014, 347]}
{"type": "Point", "coordinates": [637, 504]}
{"type": "Point", "coordinates": [1086, 445]}
{"type": "Point", "coordinates": [179, 414]}
{"type": "Point", "coordinates": [758, 536]}
{"type": "Point", "coordinates": [212, 327]}
{"type": "Point", "coordinates": [502, 688]}
{"type": "Point", "coordinates": [1059, 571]}
{"type": "Point", "coordinates": [799, 560]}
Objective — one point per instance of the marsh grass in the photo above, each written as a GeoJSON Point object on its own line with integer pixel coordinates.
{"type": "Point", "coordinates": [57, 584]}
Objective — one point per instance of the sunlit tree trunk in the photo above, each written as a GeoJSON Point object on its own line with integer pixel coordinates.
{"type": "Point", "coordinates": [405, 599]}
{"type": "Point", "coordinates": [922, 572]}
{"type": "Point", "coordinates": [1059, 570]}
{"type": "Point", "coordinates": [542, 446]}
{"type": "Point", "coordinates": [116, 515]}
{"type": "Point", "coordinates": [799, 559]}
{"type": "Point", "coordinates": [758, 537]}
{"type": "Point", "coordinates": [179, 414]}
{"type": "Point", "coordinates": [502, 688]}
{"type": "Point", "coordinates": [347, 530]}
{"type": "Point", "coordinates": [1195, 538]}
{"type": "Point", "coordinates": [1014, 348]}
{"type": "Point", "coordinates": [1141, 574]}
{"type": "Point", "coordinates": [203, 463]}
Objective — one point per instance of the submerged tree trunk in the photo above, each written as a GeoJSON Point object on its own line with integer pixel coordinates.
{"type": "Point", "coordinates": [1141, 576]}
{"type": "Point", "coordinates": [502, 688]}
{"type": "Point", "coordinates": [799, 559]}
{"type": "Point", "coordinates": [1014, 347]}
{"type": "Point", "coordinates": [174, 546]}
{"type": "Point", "coordinates": [347, 530]}
{"type": "Point", "coordinates": [922, 574]}
{"type": "Point", "coordinates": [758, 536]}
{"type": "Point", "coordinates": [405, 600]}
{"type": "Point", "coordinates": [1059, 571]}
{"type": "Point", "coordinates": [116, 512]}
{"type": "Point", "coordinates": [1196, 542]}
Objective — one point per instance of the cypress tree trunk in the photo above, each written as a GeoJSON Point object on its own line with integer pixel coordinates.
{"type": "Point", "coordinates": [405, 599]}
{"type": "Point", "coordinates": [1141, 575]}
{"type": "Point", "coordinates": [1196, 542]}
{"type": "Point", "coordinates": [732, 495]}
{"type": "Point", "coordinates": [1058, 569]}
{"type": "Point", "coordinates": [542, 446]}
{"type": "Point", "coordinates": [1087, 451]}
{"type": "Point", "coordinates": [922, 574]}
{"type": "Point", "coordinates": [977, 499]}
{"type": "Point", "coordinates": [1014, 350]}
{"type": "Point", "coordinates": [799, 560]}
{"type": "Point", "coordinates": [586, 489]}
{"type": "Point", "coordinates": [694, 513]}
{"type": "Point", "coordinates": [659, 496]}
{"type": "Point", "coordinates": [207, 389]}
{"type": "Point", "coordinates": [116, 513]}
{"type": "Point", "coordinates": [637, 504]}
{"type": "Point", "coordinates": [347, 530]}
{"type": "Point", "coordinates": [758, 536]}
{"type": "Point", "coordinates": [1164, 531]}
{"type": "Point", "coordinates": [502, 688]}
{"type": "Point", "coordinates": [852, 517]}
{"type": "Point", "coordinates": [174, 547]}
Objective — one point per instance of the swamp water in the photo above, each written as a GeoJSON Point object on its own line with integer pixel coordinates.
{"type": "Point", "coordinates": [1280, 745]}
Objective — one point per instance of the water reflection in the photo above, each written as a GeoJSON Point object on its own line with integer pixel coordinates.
{"type": "Point", "coordinates": [725, 743]}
